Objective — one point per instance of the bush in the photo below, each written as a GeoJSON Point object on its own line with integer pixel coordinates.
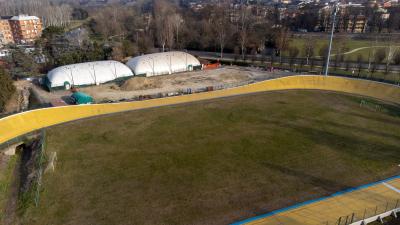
{"type": "Point", "coordinates": [7, 88]}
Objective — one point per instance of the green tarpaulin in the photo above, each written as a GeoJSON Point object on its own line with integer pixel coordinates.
{"type": "Point", "coordinates": [81, 98]}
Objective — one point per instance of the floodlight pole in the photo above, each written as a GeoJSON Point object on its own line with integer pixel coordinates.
{"type": "Point", "coordinates": [331, 39]}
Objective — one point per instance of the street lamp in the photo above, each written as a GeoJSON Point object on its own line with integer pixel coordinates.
{"type": "Point", "coordinates": [336, 9]}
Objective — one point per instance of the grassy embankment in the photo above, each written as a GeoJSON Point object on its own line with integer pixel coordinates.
{"type": "Point", "coordinates": [6, 179]}
{"type": "Point", "coordinates": [217, 161]}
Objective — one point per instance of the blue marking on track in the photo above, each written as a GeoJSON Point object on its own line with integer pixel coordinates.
{"type": "Point", "coordinates": [313, 201]}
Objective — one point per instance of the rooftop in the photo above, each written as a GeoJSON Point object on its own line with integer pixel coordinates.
{"type": "Point", "coordinates": [24, 17]}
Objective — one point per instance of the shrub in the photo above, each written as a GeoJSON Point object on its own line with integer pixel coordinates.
{"type": "Point", "coordinates": [7, 88]}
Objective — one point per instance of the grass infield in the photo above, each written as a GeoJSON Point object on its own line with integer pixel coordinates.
{"type": "Point", "coordinates": [217, 161]}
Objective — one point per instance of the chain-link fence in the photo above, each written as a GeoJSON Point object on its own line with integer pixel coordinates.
{"type": "Point", "coordinates": [365, 213]}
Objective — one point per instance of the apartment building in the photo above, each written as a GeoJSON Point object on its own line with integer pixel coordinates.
{"type": "Point", "coordinates": [20, 29]}
{"type": "Point", "coordinates": [6, 36]}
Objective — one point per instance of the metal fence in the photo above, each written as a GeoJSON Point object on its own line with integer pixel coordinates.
{"type": "Point", "coordinates": [362, 214]}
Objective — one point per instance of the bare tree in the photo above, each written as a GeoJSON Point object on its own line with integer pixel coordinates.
{"type": "Point", "coordinates": [282, 41]}
{"type": "Point", "coordinates": [163, 24]}
{"type": "Point", "coordinates": [169, 31]}
{"type": "Point", "coordinates": [390, 51]}
{"type": "Point", "coordinates": [359, 63]}
{"type": "Point", "coordinates": [177, 21]}
{"type": "Point", "coordinates": [309, 48]}
{"type": "Point", "coordinates": [293, 53]}
{"type": "Point", "coordinates": [52, 13]}
{"type": "Point", "coordinates": [371, 55]}
{"type": "Point", "coordinates": [221, 26]}
{"type": "Point", "coordinates": [244, 23]}
{"type": "Point", "coordinates": [396, 60]}
{"type": "Point", "coordinates": [380, 55]}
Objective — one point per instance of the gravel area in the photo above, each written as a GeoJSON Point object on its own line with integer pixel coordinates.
{"type": "Point", "coordinates": [141, 86]}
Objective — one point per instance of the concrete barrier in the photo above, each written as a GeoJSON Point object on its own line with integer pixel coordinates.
{"type": "Point", "coordinates": [19, 124]}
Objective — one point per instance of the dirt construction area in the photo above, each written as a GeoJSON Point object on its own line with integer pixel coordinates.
{"type": "Point", "coordinates": [224, 77]}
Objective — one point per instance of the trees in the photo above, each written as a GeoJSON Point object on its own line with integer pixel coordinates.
{"type": "Point", "coordinates": [109, 22]}
{"type": "Point", "coordinates": [307, 18]}
{"type": "Point", "coordinates": [390, 51]}
{"type": "Point", "coordinates": [51, 12]}
{"type": "Point", "coordinates": [396, 60]}
{"type": "Point", "coordinates": [323, 53]}
{"type": "Point", "coordinates": [359, 63]}
{"type": "Point", "coordinates": [396, 57]}
{"type": "Point", "coordinates": [79, 14]}
{"type": "Point", "coordinates": [308, 48]}
{"type": "Point", "coordinates": [222, 26]}
{"type": "Point", "coordinates": [177, 22]}
{"type": "Point", "coordinates": [244, 26]}
{"type": "Point", "coordinates": [282, 40]}
{"type": "Point", "coordinates": [164, 27]}
{"type": "Point", "coordinates": [22, 64]}
{"type": "Point", "coordinates": [339, 48]}
{"type": "Point", "coordinates": [393, 22]}
{"type": "Point", "coordinates": [293, 53]}
{"type": "Point", "coordinates": [7, 88]}
{"type": "Point", "coordinates": [379, 56]}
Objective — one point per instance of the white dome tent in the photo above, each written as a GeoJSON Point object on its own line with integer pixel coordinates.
{"type": "Point", "coordinates": [163, 63]}
{"type": "Point", "coordinates": [89, 73]}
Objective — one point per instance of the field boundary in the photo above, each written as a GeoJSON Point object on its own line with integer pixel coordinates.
{"type": "Point", "coordinates": [17, 125]}
{"type": "Point", "coordinates": [298, 205]}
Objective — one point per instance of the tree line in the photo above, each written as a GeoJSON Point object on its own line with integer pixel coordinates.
{"type": "Point", "coordinates": [52, 13]}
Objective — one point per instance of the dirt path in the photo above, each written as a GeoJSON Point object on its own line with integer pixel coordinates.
{"type": "Point", "coordinates": [226, 76]}
{"type": "Point", "coordinates": [362, 48]}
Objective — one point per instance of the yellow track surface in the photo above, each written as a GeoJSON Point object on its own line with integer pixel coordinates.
{"type": "Point", "coordinates": [364, 203]}
{"type": "Point", "coordinates": [314, 213]}
{"type": "Point", "coordinates": [23, 123]}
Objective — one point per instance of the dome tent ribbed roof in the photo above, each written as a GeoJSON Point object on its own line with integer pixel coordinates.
{"type": "Point", "coordinates": [163, 63]}
{"type": "Point", "coordinates": [87, 73]}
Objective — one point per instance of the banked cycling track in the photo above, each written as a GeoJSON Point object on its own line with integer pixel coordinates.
{"type": "Point", "coordinates": [23, 123]}
{"type": "Point", "coordinates": [313, 212]}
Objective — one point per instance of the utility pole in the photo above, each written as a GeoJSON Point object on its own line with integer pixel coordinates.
{"type": "Point", "coordinates": [336, 9]}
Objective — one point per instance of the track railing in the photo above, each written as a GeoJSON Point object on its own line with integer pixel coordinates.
{"type": "Point", "coordinates": [17, 125]}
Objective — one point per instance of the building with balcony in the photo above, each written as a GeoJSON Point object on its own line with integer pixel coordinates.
{"type": "Point", "coordinates": [6, 35]}
{"type": "Point", "coordinates": [20, 29]}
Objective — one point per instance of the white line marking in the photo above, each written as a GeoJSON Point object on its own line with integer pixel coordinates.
{"type": "Point", "coordinates": [391, 187]}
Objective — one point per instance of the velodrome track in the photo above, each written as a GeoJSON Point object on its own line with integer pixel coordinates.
{"type": "Point", "coordinates": [364, 202]}
{"type": "Point", "coordinates": [23, 123]}
{"type": "Point", "coordinates": [315, 212]}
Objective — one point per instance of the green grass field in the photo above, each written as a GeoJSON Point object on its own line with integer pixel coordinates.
{"type": "Point", "coordinates": [350, 44]}
{"type": "Point", "coordinates": [7, 165]}
{"type": "Point", "coordinates": [217, 161]}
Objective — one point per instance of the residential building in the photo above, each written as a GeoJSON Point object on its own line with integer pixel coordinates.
{"type": "Point", "coordinates": [349, 19]}
{"type": "Point", "coordinates": [20, 29]}
{"type": "Point", "coordinates": [6, 36]}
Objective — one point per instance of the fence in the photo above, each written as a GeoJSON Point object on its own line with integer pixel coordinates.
{"type": "Point", "coordinates": [361, 215]}
{"type": "Point", "coordinates": [348, 69]}
{"type": "Point", "coordinates": [186, 91]}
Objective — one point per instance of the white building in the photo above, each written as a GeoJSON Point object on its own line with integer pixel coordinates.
{"type": "Point", "coordinates": [163, 63]}
{"type": "Point", "coordinates": [89, 73]}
